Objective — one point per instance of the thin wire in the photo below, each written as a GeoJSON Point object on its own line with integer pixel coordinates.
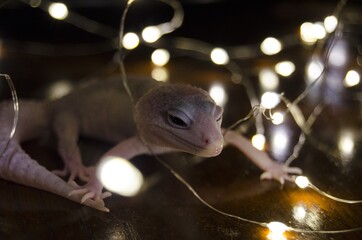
{"type": "Point", "coordinates": [16, 110]}
{"type": "Point", "coordinates": [333, 197]}
{"type": "Point", "coordinates": [121, 52]}
{"type": "Point", "coordinates": [194, 192]}
{"type": "Point", "coordinates": [247, 117]}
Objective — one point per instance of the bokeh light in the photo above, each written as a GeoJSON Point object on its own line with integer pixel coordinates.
{"type": "Point", "coordinates": [58, 11]}
{"type": "Point", "coordinates": [352, 78]}
{"type": "Point", "coordinates": [268, 79]}
{"type": "Point", "coordinates": [271, 46]}
{"type": "Point", "coordinates": [130, 41]}
{"type": "Point", "coordinates": [218, 93]}
{"type": "Point", "coordinates": [151, 34]}
{"type": "Point", "coordinates": [270, 100]}
{"type": "Point", "coordinates": [160, 57]}
{"type": "Point", "coordinates": [118, 175]}
{"type": "Point", "coordinates": [258, 141]}
{"type": "Point", "coordinates": [219, 56]}
{"type": "Point", "coordinates": [285, 68]}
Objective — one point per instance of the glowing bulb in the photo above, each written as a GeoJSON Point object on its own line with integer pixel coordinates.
{"type": "Point", "coordinates": [270, 100]}
{"type": "Point", "coordinates": [268, 79]}
{"type": "Point", "coordinates": [59, 89]}
{"type": "Point", "coordinates": [130, 40]}
{"type": "Point", "coordinates": [314, 70]}
{"type": "Point", "coordinates": [307, 33]}
{"type": "Point", "coordinates": [299, 213]}
{"type": "Point", "coordinates": [352, 78]}
{"type": "Point", "coordinates": [338, 56]}
{"type": "Point", "coordinates": [160, 57]}
{"type": "Point", "coordinates": [151, 34]}
{"type": "Point", "coordinates": [285, 68]}
{"type": "Point", "coordinates": [330, 23]}
{"type": "Point", "coordinates": [319, 31]}
{"type": "Point", "coordinates": [258, 141]}
{"type": "Point", "coordinates": [277, 118]}
{"type": "Point", "coordinates": [271, 46]}
{"type": "Point", "coordinates": [302, 181]}
{"type": "Point", "coordinates": [277, 230]}
{"type": "Point", "coordinates": [160, 74]}
{"type": "Point", "coordinates": [120, 176]}
{"type": "Point", "coordinates": [219, 56]}
{"type": "Point", "coordinates": [311, 32]}
{"type": "Point", "coordinates": [279, 141]}
{"type": "Point", "coordinates": [217, 92]}
{"type": "Point", "coordinates": [346, 144]}
{"type": "Point", "coordinates": [58, 10]}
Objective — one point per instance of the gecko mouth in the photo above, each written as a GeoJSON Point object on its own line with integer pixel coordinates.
{"type": "Point", "coordinates": [192, 147]}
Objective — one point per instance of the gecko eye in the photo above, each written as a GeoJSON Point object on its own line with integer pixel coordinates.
{"type": "Point", "coordinates": [178, 119]}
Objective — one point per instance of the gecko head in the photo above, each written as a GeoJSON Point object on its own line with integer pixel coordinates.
{"type": "Point", "coordinates": [181, 118]}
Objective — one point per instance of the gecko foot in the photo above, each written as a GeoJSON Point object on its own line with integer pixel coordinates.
{"type": "Point", "coordinates": [92, 190]}
{"type": "Point", "coordinates": [280, 173]}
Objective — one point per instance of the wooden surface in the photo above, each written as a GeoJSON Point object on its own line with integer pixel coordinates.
{"type": "Point", "coordinates": [166, 209]}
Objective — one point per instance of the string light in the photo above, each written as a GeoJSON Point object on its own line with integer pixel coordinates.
{"type": "Point", "coordinates": [307, 33]}
{"type": "Point", "coordinates": [160, 57]}
{"type": "Point", "coordinates": [258, 141]}
{"type": "Point", "coordinates": [338, 56]}
{"type": "Point", "coordinates": [268, 79]}
{"type": "Point", "coordinates": [270, 100]}
{"type": "Point", "coordinates": [58, 10]}
{"type": "Point", "coordinates": [217, 92]}
{"type": "Point", "coordinates": [314, 69]}
{"type": "Point", "coordinates": [346, 144]}
{"type": "Point", "coordinates": [302, 181]}
{"type": "Point", "coordinates": [271, 46]}
{"type": "Point", "coordinates": [120, 176]}
{"type": "Point", "coordinates": [160, 74]}
{"type": "Point", "coordinates": [352, 78]}
{"type": "Point", "coordinates": [59, 89]}
{"type": "Point", "coordinates": [330, 23]}
{"type": "Point", "coordinates": [219, 56]}
{"type": "Point", "coordinates": [277, 118]}
{"type": "Point", "coordinates": [151, 34]}
{"type": "Point", "coordinates": [130, 40]}
{"type": "Point", "coordinates": [277, 229]}
{"type": "Point", "coordinates": [285, 68]}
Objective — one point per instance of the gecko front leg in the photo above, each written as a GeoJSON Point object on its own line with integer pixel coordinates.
{"type": "Point", "coordinates": [67, 132]}
{"type": "Point", "coordinates": [126, 149]}
{"type": "Point", "coordinates": [272, 170]}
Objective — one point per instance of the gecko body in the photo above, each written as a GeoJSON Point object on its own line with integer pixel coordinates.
{"type": "Point", "coordinates": [167, 117]}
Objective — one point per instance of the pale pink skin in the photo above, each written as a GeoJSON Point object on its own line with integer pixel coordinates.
{"type": "Point", "coordinates": [98, 111]}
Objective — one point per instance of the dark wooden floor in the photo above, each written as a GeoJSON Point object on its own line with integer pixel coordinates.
{"type": "Point", "coordinates": [166, 209]}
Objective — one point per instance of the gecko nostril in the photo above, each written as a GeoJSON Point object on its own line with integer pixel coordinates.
{"type": "Point", "coordinates": [207, 141]}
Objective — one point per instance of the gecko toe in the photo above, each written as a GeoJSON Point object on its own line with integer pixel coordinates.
{"type": "Point", "coordinates": [87, 196]}
{"type": "Point", "coordinates": [105, 195]}
{"type": "Point", "coordinates": [266, 175]}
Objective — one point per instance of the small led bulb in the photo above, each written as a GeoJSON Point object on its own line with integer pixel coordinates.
{"type": "Point", "coordinates": [302, 181]}
{"type": "Point", "coordinates": [277, 228]}
{"type": "Point", "coordinates": [120, 176]}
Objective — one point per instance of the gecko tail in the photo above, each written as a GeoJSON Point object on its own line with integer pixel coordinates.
{"type": "Point", "coordinates": [17, 166]}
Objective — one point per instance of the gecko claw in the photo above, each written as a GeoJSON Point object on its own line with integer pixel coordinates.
{"type": "Point", "coordinates": [106, 194]}
{"type": "Point", "coordinates": [87, 196]}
